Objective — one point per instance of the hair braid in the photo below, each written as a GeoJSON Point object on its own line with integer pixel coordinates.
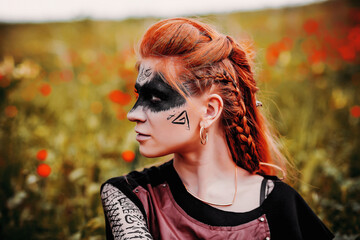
{"type": "Point", "coordinates": [241, 133]}
{"type": "Point", "coordinates": [237, 129]}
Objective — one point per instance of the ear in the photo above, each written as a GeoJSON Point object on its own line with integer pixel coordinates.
{"type": "Point", "coordinates": [213, 110]}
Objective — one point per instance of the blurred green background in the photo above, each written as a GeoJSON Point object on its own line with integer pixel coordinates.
{"type": "Point", "coordinates": [65, 89]}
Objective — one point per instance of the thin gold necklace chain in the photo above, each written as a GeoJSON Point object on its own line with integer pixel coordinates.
{"type": "Point", "coordinates": [217, 204]}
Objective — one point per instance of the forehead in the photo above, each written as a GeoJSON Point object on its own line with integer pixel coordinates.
{"type": "Point", "coordinates": [146, 72]}
{"type": "Point", "coordinates": [156, 71]}
{"type": "Point", "coordinates": [155, 83]}
{"type": "Point", "coordinates": [150, 77]}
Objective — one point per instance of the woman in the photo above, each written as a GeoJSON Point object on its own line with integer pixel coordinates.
{"type": "Point", "coordinates": [196, 100]}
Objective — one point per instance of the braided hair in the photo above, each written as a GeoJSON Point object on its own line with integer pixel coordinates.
{"type": "Point", "coordinates": [206, 59]}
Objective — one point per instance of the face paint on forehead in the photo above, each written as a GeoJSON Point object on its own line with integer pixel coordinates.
{"type": "Point", "coordinates": [145, 74]}
{"type": "Point", "coordinates": [157, 95]}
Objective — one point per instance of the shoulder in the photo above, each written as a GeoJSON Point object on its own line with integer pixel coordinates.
{"type": "Point", "coordinates": [283, 196]}
{"type": "Point", "coordinates": [290, 215]}
{"type": "Point", "coordinates": [153, 176]}
{"type": "Point", "coordinates": [284, 202]}
{"type": "Point", "coordinates": [283, 190]}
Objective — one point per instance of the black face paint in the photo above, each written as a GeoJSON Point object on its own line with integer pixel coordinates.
{"type": "Point", "coordinates": [182, 119]}
{"type": "Point", "coordinates": [156, 95]}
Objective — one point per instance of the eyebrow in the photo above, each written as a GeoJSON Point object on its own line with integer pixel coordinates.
{"type": "Point", "coordinates": [157, 89]}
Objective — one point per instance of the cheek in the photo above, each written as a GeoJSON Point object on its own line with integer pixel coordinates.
{"type": "Point", "coordinates": [161, 122]}
{"type": "Point", "coordinates": [175, 125]}
{"type": "Point", "coordinates": [173, 131]}
{"type": "Point", "coordinates": [179, 118]}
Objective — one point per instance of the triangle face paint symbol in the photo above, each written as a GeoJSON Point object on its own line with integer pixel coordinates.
{"type": "Point", "coordinates": [182, 119]}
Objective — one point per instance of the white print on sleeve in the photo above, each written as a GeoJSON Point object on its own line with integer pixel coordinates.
{"type": "Point", "coordinates": [125, 218]}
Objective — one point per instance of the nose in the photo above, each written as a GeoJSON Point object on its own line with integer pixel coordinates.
{"type": "Point", "coordinates": [136, 114]}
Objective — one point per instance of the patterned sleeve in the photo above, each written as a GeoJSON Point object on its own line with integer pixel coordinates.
{"type": "Point", "coordinates": [124, 217]}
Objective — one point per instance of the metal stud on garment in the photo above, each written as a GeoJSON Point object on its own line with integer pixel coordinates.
{"type": "Point", "coordinates": [258, 104]}
{"type": "Point", "coordinates": [203, 136]}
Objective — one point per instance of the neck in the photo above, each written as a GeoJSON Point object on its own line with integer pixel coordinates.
{"type": "Point", "coordinates": [208, 170]}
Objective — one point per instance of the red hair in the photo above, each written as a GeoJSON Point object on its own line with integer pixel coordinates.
{"type": "Point", "coordinates": [201, 58]}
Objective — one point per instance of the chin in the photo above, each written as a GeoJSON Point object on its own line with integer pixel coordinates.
{"type": "Point", "coordinates": [152, 152]}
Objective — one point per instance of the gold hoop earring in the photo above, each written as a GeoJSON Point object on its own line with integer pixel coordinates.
{"type": "Point", "coordinates": [203, 136]}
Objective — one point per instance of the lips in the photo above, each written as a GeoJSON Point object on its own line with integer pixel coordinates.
{"type": "Point", "coordinates": [141, 136]}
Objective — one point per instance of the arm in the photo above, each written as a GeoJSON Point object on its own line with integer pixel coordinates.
{"type": "Point", "coordinates": [125, 218]}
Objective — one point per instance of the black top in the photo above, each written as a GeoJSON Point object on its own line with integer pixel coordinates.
{"type": "Point", "coordinates": [288, 215]}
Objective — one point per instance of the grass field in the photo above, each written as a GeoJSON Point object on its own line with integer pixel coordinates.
{"type": "Point", "coordinates": [65, 89]}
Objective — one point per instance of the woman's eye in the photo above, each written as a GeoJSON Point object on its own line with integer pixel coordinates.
{"type": "Point", "coordinates": [155, 99]}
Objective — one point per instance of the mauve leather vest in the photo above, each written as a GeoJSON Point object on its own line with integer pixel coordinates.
{"type": "Point", "coordinates": [167, 220]}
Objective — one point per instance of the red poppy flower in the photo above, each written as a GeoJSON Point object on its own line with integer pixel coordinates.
{"type": "Point", "coordinates": [354, 37]}
{"type": "Point", "coordinates": [45, 89]}
{"type": "Point", "coordinates": [41, 155]}
{"type": "Point", "coordinates": [311, 26]}
{"type": "Point", "coordinates": [272, 54]}
{"type": "Point", "coordinates": [347, 52]}
{"type": "Point", "coordinates": [128, 156]}
{"type": "Point", "coordinates": [43, 170]}
{"type": "Point", "coordinates": [119, 97]}
{"type": "Point", "coordinates": [317, 56]}
{"type": "Point", "coordinates": [355, 111]}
